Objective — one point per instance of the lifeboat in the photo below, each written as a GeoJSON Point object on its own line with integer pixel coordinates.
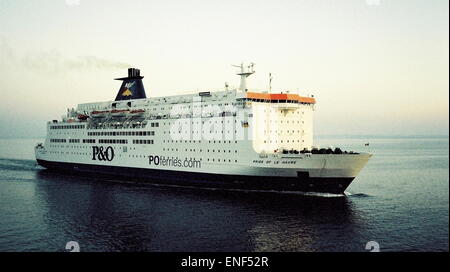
{"type": "Point", "coordinates": [98, 114]}
{"type": "Point", "coordinates": [119, 112]}
{"type": "Point", "coordinates": [137, 112]}
{"type": "Point", "coordinates": [82, 116]}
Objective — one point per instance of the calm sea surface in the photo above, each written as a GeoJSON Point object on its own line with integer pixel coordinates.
{"type": "Point", "coordinates": [400, 200]}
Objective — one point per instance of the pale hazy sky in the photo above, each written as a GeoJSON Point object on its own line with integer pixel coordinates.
{"type": "Point", "coordinates": [375, 66]}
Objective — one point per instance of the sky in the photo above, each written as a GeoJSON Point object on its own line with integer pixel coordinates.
{"type": "Point", "coordinates": [376, 67]}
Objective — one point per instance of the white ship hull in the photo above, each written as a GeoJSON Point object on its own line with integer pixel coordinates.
{"type": "Point", "coordinates": [326, 173]}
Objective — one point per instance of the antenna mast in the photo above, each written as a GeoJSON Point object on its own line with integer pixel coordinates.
{"type": "Point", "coordinates": [244, 73]}
{"type": "Point", "coordinates": [270, 82]}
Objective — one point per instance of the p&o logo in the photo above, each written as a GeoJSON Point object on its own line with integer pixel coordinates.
{"type": "Point", "coordinates": [102, 154]}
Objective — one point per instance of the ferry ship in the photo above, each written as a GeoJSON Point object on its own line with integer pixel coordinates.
{"type": "Point", "coordinates": [230, 139]}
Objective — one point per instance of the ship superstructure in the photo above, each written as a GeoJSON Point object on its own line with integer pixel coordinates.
{"type": "Point", "coordinates": [233, 138]}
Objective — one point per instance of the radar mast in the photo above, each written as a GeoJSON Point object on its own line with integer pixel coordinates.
{"type": "Point", "coordinates": [245, 71]}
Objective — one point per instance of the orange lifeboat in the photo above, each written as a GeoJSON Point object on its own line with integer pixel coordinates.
{"type": "Point", "coordinates": [82, 116]}
{"type": "Point", "coordinates": [119, 112]}
{"type": "Point", "coordinates": [98, 114]}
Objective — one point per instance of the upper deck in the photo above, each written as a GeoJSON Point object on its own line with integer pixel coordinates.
{"type": "Point", "coordinates": [272, 121]}
{"type": "Point", "coordinates": [220, 98]}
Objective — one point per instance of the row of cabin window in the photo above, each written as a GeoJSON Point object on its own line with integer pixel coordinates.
{"type": "Point", "coordinates": [57, 140]}
{"type": "Point", "coordinates": [281, 141]}
{"type": "Point", "coordinates": [198, 141]}
{"type": "Point", "coordinates": [199, 106]}
{"type": "Point", "coordinates": [102, 141]}
{"type": "Point", "coordinates": [142, 141]}
{"type": "Point", "coordinates": [281, 131]}
{"type": "Point", "coordinates": [287, 122]}
{"type": "Point", "coordinates": [67, 127]}
{"type": "Point", "coordinates": [224, 160]}
{"type": "Point", "coordinates": [122, 133]}
{"type": "Point", "coordinates": [201, 150]}
{"type": "Point", "coordinates": [198, 132]}
{"type": "Point", "coordinates": [112, 141]}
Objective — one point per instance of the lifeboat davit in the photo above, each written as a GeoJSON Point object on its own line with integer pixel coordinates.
{"type": "Point", "coordinates": [137, 112]}
{"type": "Point", "coordinates": [98, 114]}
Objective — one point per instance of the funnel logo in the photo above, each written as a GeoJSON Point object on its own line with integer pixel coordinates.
{"type": "Point", "coordinates": [127, 91]}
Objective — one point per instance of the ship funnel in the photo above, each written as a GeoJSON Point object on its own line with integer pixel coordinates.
{"type": "Point", "coordinates": [133, 72]}
{"type": "Point", "coordinates": [132, 86]}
